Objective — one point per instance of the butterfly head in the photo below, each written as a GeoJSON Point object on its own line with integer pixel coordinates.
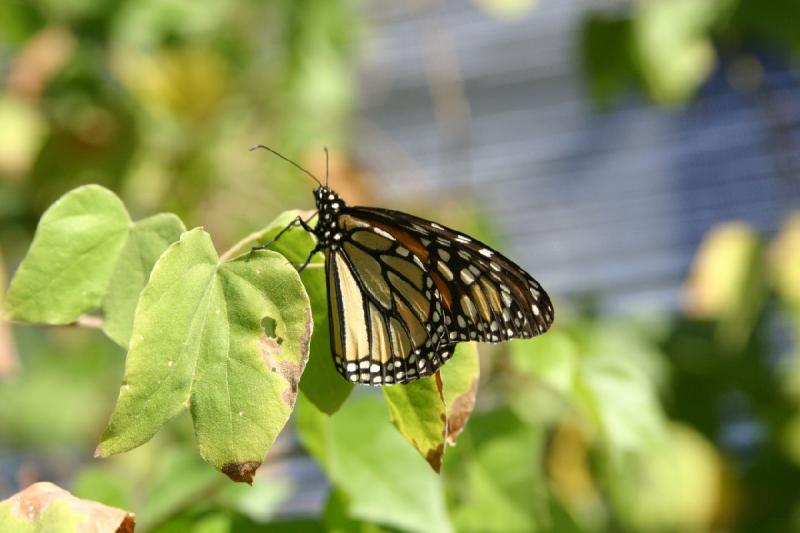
{"type": "Point", "coordinates": [329, 204]}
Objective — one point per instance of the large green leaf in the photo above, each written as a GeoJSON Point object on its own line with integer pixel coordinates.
{"type": "Point", "coordinates": [495, 476]}
{"type": "Point", "coordinates": [199, 341]}
{"type": "Point", "coordinates": [68, 267]}
{"type": "Point", "coordinates": [383, 479]}
{"type": "Point", "coordinates": [321, 383]}
{"type": "Point", "coordinates": [146, 242]}
{"type": "Point", "coordinates": [433, 410]}
{"type": "Point", "coordinates": [607, 371]}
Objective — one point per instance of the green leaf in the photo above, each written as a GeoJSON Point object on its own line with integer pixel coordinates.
{"type": "Point", "coordinates": [675, 484]}
{"type": "Point", "coordinates": [552, 358]}
{"type": "Point", "coordinates": [199, 341]}
{"type": "Point", "coordinates": [67, 270]}
{"type": "Point", "coordinates": [321, 383]}
{"type": "Point", "coordinates": [182, 480]}
{"type": "Point", "coordinates": [494, 476]}
{"type": "Point", "coordinates": [103, 486]}
{"type": "Point", "coordinates": [418, 411]}
{"type": "Point", "coordinates": [365, 458]}
{"type": "Point", "coordinates": [460, 379]}
{"type": "Point", "coordinates": [338, 519]}
{"type": "Point", "coordinates": [372, 463]}
{"type": "Point", "coordinates": [434, 410]}
{"type": "Point", "coordinates": [674, 46]}
{"type": "Point", "coordinates": [617, 387]}
{"type": "Point", "coordinates": [609, 372]}
{"type": "Point", "coordinates": [606, 43]}
{"type": "Point", "coordinates": [147, 241]}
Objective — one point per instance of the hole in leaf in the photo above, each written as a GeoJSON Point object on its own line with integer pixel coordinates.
{"type": "Point", "coordinates": [269, 325]}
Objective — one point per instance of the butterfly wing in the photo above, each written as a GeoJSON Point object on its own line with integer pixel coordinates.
{"type": "Point", "coordinates": [484, 295]}
{"type": "Point", "coordinates": [386, 318]}
{"type": "Point", "coordinates": [402, 291]}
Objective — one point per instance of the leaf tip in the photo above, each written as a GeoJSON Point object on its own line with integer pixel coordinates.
{"type": "Point", "coordinates": [434, 458]}
{"type": "Point", "coordinates": [241, 472]}
{"type": "Point", "coordinates": [98, 452]}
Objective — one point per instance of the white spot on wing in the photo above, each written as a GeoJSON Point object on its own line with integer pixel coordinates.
{"type": "Point", "coordinates": [383, 233]}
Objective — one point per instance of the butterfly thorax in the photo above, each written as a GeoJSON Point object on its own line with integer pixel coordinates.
{"type": "Point", "coordinates": [327, 230]}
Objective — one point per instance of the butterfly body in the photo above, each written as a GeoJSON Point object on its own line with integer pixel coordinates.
{"type": "Point", "coordinates": [403, 291]}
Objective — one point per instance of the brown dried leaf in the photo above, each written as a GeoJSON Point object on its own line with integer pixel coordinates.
{"type": "Point", "coordinates": [47, 507]}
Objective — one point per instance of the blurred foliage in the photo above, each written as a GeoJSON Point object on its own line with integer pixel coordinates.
{"type": "Point", "coordinates": [685, 422]}
{"type": "Point", "coordinates": [669, 48]}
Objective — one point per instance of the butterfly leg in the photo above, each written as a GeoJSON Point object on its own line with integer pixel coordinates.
{"type": "Point", "coordinates": [308, 259]}
{"type": "Point", "coordinates": [293, 223]}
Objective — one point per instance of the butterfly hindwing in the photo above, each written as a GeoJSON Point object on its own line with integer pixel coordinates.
{"type": "Point", "coordinates": [387, 321]}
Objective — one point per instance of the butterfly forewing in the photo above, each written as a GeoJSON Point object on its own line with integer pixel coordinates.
{"type": "Point", "coordinates": [485, 296]}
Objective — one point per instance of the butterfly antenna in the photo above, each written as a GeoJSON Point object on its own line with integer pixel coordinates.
{"type": "Point", "coordinates": [326, 166]}
{"type": "Point", "coordinates": [256, 146]}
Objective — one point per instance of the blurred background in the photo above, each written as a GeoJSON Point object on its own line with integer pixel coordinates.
{"type": "Point", "coordinates": [640, 159]}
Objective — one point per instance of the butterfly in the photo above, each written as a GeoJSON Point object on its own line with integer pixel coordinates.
{"type": "Point", "coordinates": [403, 291]}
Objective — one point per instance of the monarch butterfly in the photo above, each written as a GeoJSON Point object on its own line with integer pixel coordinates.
{"type": "Point", "coordinates": [403, 291]}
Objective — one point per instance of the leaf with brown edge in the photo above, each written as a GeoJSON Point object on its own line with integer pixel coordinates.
{"type": "Point", "coordinates": [228, 340]}
{"type": "Point", "coordinates": [433, 411]}
{"type": "Point", "coordinates": [460, 378]}
{"type": "Point", "coordinates": [241, 472]}
{"type": "Point", "coordinates": [47, 507]}
{"type": "Point", "coordinates": [321, 382]}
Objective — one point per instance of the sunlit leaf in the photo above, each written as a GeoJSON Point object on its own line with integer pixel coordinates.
{"type": "Point", "coordinates": [433, 411]}
{"type": "Point", "coordinates": [418, 411]}
{"type": "Point", "coordinates": [726, 282]}
{"type": "Point", "coordinates": [785, 258]}
{"type": "Point", "coordinates": [147, 240]}
{"type": "Point", "coordinates": [46, 507]}
{"type": "Point", "coordinates": [370, 462]}
{"type": "Point", "coordinates": [674, 48]}
{"type": "Point", "coordinates": [68, 267]}
{"type": "Point", "coordinates": [22, 127]}
{"type": "Point", "coordinates": [494, 476]}
{"type": "Point", "coordinates": [673, 485]}
{"type": "Point", "coordinates": [621, 400]}
{"type": "Point", "coordinates": [553, 359]}
{"type": "Point", "coordinates": [199, 341]}
{"type": "Point", "coordinates": [608, 372]}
